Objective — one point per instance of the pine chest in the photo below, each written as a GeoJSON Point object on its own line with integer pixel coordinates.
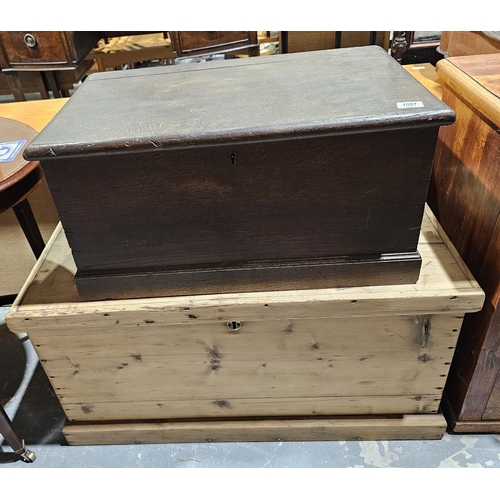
{"type": "Point", "coordinates": [294, 171]}
{"type": "Point", "coordinates": [340, 363]}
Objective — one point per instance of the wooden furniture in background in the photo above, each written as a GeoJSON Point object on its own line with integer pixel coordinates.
{"type": "Point", "coordinates": [126, 51]}
{"type": "Point", "coordinates": [32, 82]}
{"type": "Point", "coordinates": [330, 192]}
{"type": "Point", "coordinates": [198, 43]}
{"type": "Point", "coordinates": [426, 74]}
{"type": "Point", "coordinates": [16, 257]}
{"type": "Point", "coordinates": [47, 53]}
{"type": "Point", "coordinates": [467, 43]}
{"type": "Point", "coordinates": [403, 41]}
{"type": "Point", "coordinates": [465, 195]}
{"type": "Point", "coordinates": [332, 364]}
{"type": "Point", "coordinates": [305, 41]}
{"type": "Point", "coordinates": [106, 35]}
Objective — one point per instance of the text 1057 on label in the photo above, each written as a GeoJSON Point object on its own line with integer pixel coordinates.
{"type": "Point", "coordinates": [410, 104]}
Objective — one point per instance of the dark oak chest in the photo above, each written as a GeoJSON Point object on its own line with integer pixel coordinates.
{"type": "Point", "coordinates": [293, 171]}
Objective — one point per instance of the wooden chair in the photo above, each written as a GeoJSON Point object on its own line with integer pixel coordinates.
{"type": "Point", "coordinates": [125, 51]}
{"type": "Point", "coordinates": [204, 43]}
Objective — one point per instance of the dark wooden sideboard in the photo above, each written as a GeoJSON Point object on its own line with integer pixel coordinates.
{"type": "Point", "coordinates": [196, 43]}
{"type": "Point", "coordinates": [465, 196]}
{"type": "Point", "coordinates": [50, 55]}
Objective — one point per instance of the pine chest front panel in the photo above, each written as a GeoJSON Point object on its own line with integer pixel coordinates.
{"type": "Point", "coordinates": [362, 366]}
{"type": "Point", "coordinates": [291, 172]}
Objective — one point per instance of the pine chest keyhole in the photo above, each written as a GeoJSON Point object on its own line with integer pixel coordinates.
{"type": "Point", "coordinates": [232, 159]}
{"type": "Point", "coordinates": [234, 325]}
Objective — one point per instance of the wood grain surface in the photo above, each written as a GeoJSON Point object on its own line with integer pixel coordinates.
{"type": "Point", "coordinates": [243, 100]}
{"type": "Point", "coordinates": [285, 216]}
{"type": "Point", "coordinates": [336, 429]}
{"type": "Point", "coordinates": [50, 50]}
{"type": "Point", "coordinates": [233, 177]}
{"type": "Point", "coordinates": [464, 194]}
{"type": "Point", "coordinates": [340, 359]}
{"type": "Point", "coordinates": [445, 285]}
{"type": "Point", "coordinates": [426, 74]}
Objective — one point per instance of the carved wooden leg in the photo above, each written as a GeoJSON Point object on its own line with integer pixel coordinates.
{"type": "Point", "coordinates": [399, 45]}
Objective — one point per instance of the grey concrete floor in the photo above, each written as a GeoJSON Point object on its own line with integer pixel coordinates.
{"type": "Point", "coordinates": [38, 419]}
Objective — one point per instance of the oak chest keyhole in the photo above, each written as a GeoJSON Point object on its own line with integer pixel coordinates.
{"type": "Point", "coordinates": [232, 158]}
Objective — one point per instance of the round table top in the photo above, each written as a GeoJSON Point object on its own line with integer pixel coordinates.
{"type": "Point", "coordinates": [18, 177]}
{"type": "Point", "coordinates": [14, 138]}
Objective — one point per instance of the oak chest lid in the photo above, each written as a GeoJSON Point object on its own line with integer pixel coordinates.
{"type": "Point", "coordinates": [244, 100]}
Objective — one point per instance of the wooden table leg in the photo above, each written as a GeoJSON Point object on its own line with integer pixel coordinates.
{"type": "Point", "coordinates": [40, 85]}
{"type": "Point", "coordinates": [284, 42]}
{"type": "Point", "coordinates": [29, 226]}
{"type": "Point", "coordinates": [15, 85]}
{"type": "Point", "coordinates": [52, 84]}
{"type": "Point", "coordinates": [338, 39]}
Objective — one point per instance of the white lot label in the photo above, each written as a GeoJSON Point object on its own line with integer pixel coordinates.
{"type": "Point", "coordinates": [410, 104]}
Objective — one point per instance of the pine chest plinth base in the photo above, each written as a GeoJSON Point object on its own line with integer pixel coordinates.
{"type": "Point", "coordinates": [336, 363]}
{"type": "Point", "coordinates": [403, 427]}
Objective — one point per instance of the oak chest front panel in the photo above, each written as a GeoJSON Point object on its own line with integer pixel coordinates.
{"type": "Point", "coordinates": [289, 172]}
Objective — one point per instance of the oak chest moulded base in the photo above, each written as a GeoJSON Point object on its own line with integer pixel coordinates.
{"type": "Point", "coordinates": [353, 363]}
